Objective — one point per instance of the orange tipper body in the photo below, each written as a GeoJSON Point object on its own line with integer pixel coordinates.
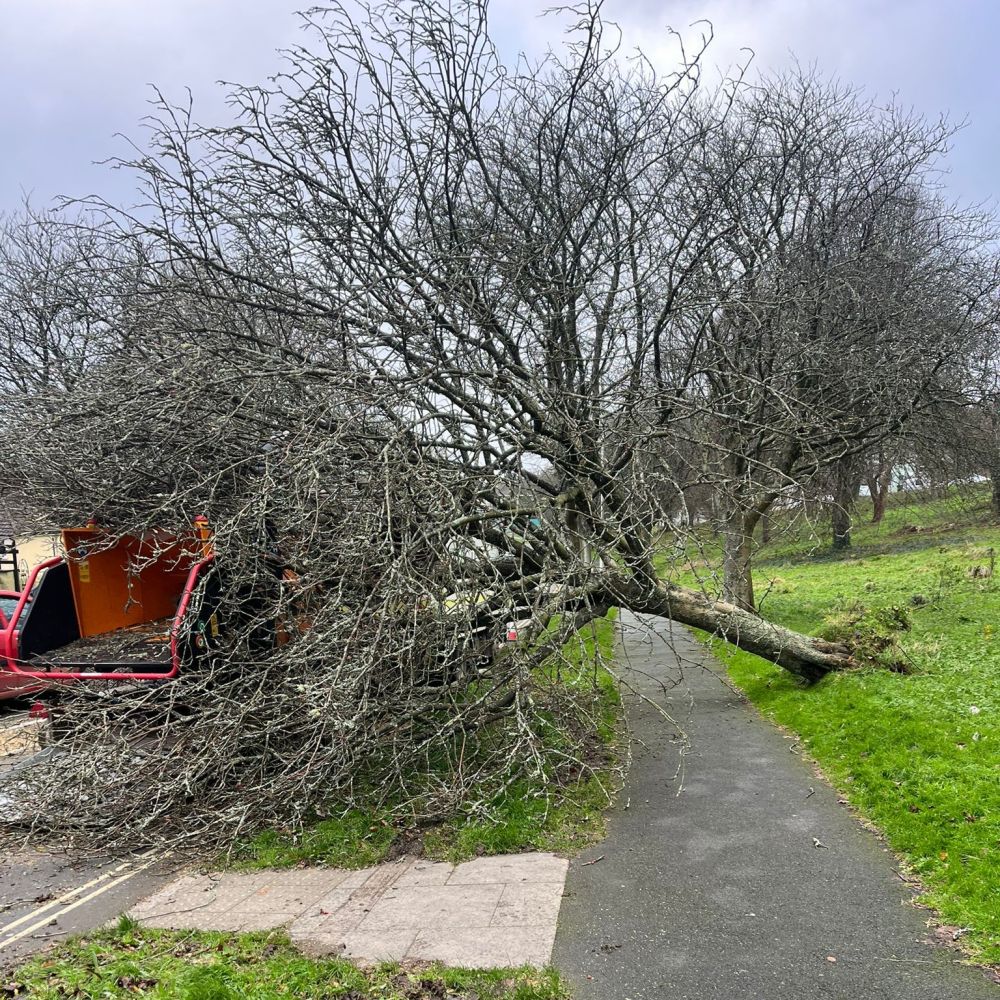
{"type": "Point", "coordinates": [114, 608]}
{"type": "Point", "coordinates": [134, 581]}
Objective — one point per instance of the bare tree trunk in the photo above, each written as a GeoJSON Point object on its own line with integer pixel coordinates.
{"type": "Point", "coordinates": [841, 523]}
{"type": "Point", "coordinates": [879, 490]}
{"type": "Point", "coordinates": [806, 657]}
{"type": "Point", "coordinates": [878, 486]}
{"type": "Point", "coordinates": [737, 558]}
{"type": "Point", "coordinates": [847, 486]}
{"type": "Point", "coordinates": [878, 505]}
{"type": "Point", "coordinates": [995, 463]}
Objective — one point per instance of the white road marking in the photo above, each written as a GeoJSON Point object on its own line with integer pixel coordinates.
{"type": "Point", "coordinates": [69, 901]}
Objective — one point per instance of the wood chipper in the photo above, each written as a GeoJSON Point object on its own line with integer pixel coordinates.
{"type": "Point", "coordinates": [130, 608]}
{"type": "Point", "coordinates": [144, 608]}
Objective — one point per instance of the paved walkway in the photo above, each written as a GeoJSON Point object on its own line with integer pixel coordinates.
{"type": "Point", "coordinates": [486, 913]}
{"type": "Point", "coordinates": [18, 737]}
{"type": "Point", "coordinates": [723, 892]}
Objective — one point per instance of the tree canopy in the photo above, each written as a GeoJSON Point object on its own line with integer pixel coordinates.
{"type": "Point", "coordinates": [422, 323]}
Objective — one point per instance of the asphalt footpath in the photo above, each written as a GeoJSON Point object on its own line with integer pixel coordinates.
{"type": "Point", "coordinates": [731, 870]}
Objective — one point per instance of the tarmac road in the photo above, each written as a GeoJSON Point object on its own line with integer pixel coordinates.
{"type": "Point", "coordinates": [46, 896]}
{"type": "Point", "coordinates": [752, 883]}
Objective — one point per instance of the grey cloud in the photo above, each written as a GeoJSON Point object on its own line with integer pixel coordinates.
{"type": "Point", "coordinates": [74, 72]}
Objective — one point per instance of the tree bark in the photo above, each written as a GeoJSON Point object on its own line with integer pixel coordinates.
{"type": "Point", "coordinates": [879, 489]}
{"type": "Point", "coordinates": [847, 486]}
{"type": "Point", "coordinates": [804, 656]}
{"type": "Point", "coordinates": [878, 486]}
{"type": "Point", "coordinates": [737, 558]}
{"type": "Point", "coordinates": [995, 463]}
{"type": "Point", "coordinates": [841, 523]}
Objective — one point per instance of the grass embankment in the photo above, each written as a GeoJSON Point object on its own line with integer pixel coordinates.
{"type": "Point", "coordinates": [560, 809]}
{"type": "Point", "coordinates": [917, 754]}
{"type": "Point", "coordinates": [136, 962]}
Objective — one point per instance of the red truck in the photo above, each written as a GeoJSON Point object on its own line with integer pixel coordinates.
{"type": "Point", "coordinates": [131, 608]}
{"type": "Point", "coordinates": [144, 608]}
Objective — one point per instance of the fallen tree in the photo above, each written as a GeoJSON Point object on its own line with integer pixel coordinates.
{"type": "Point", "coordinates": [807, 657]}
{"type": "Point", "coordinates": [415, 329]}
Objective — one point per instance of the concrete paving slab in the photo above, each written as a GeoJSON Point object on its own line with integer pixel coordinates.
{"type": "Point", "coordinates": [426, 873]}
{"type": "Point", "coordinates": [338, 912]}
{"type": "Point", "coordinates": [485, 948]}
{"type": "Point", "coordinates": [378, 946]}
{"type": "Point", "coordinates": [198, 901]}
{"type": "Point", "coordinates": [246, 923]}
{"type": "Point", "coordinates": [376, 875]}
{"type": "Point", "coordinates": [511, 868]}
{"type": "Point", "coordinates": [434, 907]}
{"type": "Point", "coordinates": [290, 892]}
{"type": "Point", "coordinates": [491, 912]}
{"type": "Point", "coordinates": [20, 737]}
{"type": "Point", "coordinates": [230, 920]}
{"type": "Point", "coordinates": [357, 877]}
{"type": "Point", "coordinates": [527, 904]}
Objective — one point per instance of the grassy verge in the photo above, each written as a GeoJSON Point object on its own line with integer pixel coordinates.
{"type": "Point", "coordinates": [560, 809]}
{"type": "Point", "coordinates": [919, 755]}
{"type": "Point", "coordinates": [136, 962]}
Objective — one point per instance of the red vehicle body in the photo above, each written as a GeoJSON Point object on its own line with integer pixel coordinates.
{"type": "Point", "coordinates": [132, 609]}
{"type": "Point", "coordinates": [11, 686]}
{"type": "Point", "coordinates": [133, 594]}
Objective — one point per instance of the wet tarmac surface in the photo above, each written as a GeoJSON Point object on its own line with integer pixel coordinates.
{"type": "Point", "coordinates": [45, 895]}
{"type": "Point", "coordinates": [731, 870]}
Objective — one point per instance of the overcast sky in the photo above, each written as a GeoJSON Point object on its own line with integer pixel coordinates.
{"type": "Point", "coordinates": [73, 73]}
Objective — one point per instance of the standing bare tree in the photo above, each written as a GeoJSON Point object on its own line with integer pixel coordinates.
{"type": "Point", "coordinates": [878, 478]}
{"type": "Point", "coordinates": [984, 395]}
{"type": "Point", "coordinates": [846, 292]}
{"type": "Point", "coordinates": [62, 295]}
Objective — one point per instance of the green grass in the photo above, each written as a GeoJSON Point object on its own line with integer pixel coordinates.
{"type": "Point", "coordinates": [917, 754]}
{"type": "Point", "coordinates": [130, 961]}
{"type": "Point", "coordinates": [561, 809]}
{"type": "Point", "coordinates": [354, 840]}
{"type": "Point", "coordinates": [912, 521]}
{"type": "Point", "coordinates": [524, 819]}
